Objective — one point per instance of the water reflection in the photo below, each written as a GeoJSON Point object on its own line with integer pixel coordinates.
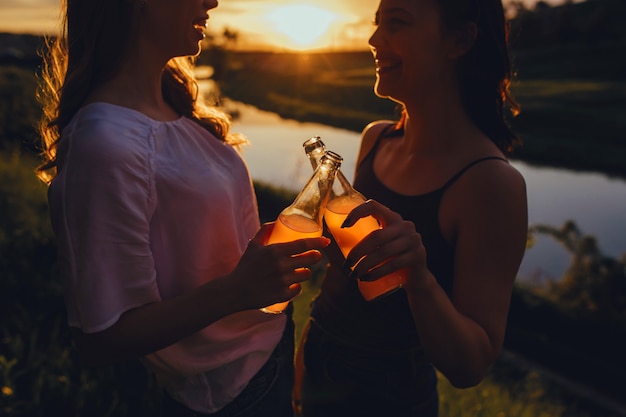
{"type": "Point", "coordinates": [595, 202]}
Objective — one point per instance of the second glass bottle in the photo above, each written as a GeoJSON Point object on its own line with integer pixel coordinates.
{"type": "Point", "coordinates": [344, 197]}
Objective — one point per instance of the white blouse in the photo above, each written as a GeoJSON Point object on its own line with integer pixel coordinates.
{"type": "Point", "coordinates": [143, 211]}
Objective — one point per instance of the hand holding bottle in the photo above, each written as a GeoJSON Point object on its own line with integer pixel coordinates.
{"type": "Point", "coordinates": [343, 199]}
{"type": "Point", "coordinates": [268, 274]}
{"type": "Point", "coordinates": [395, 247]}
{"type": "Point", "coordinates": [303, 217]}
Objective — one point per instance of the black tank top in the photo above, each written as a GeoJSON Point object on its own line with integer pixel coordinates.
{"type": "Point", "coordinates": [385, 324]}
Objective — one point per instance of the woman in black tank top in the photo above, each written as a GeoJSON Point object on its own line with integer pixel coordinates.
{"type": "Point", "coordinates": [453, 212]}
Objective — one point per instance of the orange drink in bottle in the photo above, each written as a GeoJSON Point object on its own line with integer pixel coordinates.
{"type": "Point", "coordinates": [335, 214]}
{"type": "Point", "coordinates": [291, 227]}
{"type": "Point", "coordinates": [286, 229]}
{"type": "Point", "coordinates": [303, 218]}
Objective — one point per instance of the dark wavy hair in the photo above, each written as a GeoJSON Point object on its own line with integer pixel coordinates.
{"type": "Point", "coordinates": [485, 72]}
{"type": "Point", "coordinates": [88, 52]}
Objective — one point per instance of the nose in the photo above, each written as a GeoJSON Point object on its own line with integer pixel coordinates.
{"type": "Point", "coordinates": [375, 38]}
{"type": "Point", "coordinates": [210, 4]}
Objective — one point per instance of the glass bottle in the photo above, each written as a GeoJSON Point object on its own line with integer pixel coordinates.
{"type": "Point", "coordinates": [343, 199]}
{"type": "Point", "coordinates": [303, 218]}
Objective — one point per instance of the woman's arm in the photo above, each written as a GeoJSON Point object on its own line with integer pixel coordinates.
{"type": "Point", "coordinates": [485, 211]}
{"type": "Point", "coordinates": [264, 276]}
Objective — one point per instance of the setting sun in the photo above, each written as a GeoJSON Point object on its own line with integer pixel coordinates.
{"type": "Point", "coordinates": [302, 24]}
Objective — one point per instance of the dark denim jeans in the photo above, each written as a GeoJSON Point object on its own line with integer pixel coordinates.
{"type": "Point", "coordinates": [268, 394]}
{"type": "Point", "coordinates": [341, 380]}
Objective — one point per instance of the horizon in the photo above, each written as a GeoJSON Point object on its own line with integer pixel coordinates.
{"type": "Point", "coordinates": [281, 25]}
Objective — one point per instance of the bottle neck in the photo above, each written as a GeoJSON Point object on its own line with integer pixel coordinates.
{"type": "Point", "coordinates": [315, 153]}
{"type": "Point", "coordinates": [315, 150]}
{"type": "Point", "coordinates": [312, 199]}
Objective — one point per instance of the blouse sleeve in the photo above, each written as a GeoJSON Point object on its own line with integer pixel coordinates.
{"type": "Point", "coordinates": [101, 204]}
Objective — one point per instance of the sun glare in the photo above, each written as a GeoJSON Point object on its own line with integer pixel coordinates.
{"type": "Point", "coordinates": [303, 24]}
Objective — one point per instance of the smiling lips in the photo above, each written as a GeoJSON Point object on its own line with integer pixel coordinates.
{"type": "Point", "coordinates": [201, 24]}
{"type": "Point", "coordinates": [384, 65]}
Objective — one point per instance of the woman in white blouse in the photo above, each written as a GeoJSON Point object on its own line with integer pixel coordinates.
{"type": "Point", "coordinates": [159, 240]}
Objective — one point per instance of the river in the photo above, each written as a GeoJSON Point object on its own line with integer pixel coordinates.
{"type": "Point", "coordinates": [596, 202]}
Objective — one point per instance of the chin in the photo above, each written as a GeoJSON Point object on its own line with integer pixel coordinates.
{"type": "Point", "coordinates": [383, 91]}
{"type": "Point", "coordinates": [193, 50]}
{"type": "Point", "coordinates": [388, 95]}
{"type": "Point", "coordinates": [197, 52]}
{"type": "Point", "coordinates": [379, 94]}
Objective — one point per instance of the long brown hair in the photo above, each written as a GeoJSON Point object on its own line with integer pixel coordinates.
{"type": "Point", "coordinates": [94, 40]}
{"type": "Point", "coordinates": [485, 72]}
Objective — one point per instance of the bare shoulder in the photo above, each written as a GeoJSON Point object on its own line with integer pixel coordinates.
{"type": "Point", "coordinates": [501, 175]}
{"type": "Point", "coordinates": [374, 129]}
{"type": "Point", "coordinates": [369, 135]}
{"type": "Point", "coordinates": [490, 187]}
{"type": "Point", "coordinates": [486, 190]}
{"type": "Point", "coordinates": [493, 178]}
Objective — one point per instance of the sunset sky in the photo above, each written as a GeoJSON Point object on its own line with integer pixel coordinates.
{"type": "Point", "coordinates": [286, 24]}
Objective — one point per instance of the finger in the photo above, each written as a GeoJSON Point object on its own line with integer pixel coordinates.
{"type": "Point", "coordinates": [301, 275]}
{"type": "Point", "coordinates": [371, 208]}
{"type": "Point", "coordinates": [306, 259]}
{"type": "Point", "coordinates": [294, 290]}
{"type": "Point", "coordinates": [362, 210]}
{"type": "Point", "coordinates": [366, 266]}
{"type": "Point", "coordinates": [408, 253]}
{"type": "Point", "coordinates": [302, 245]}
{"type": "Point", "coordinates": [387, 267]}
{"type": "Point", "coordinates": [297, 270]}
{"type": "Point", "coordinates": [370, 245]}
{"type": "Point", "coordinates": [394, 239]}
{"type": "Point", "coordinates": [286, 294]}
{"type": "Point", "coordinates": [372, 254]}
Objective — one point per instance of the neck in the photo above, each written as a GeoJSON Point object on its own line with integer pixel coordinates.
{"type": "Point", "coordinates": [437, 125]}
{"type": "Point", "coordinates": [137, 86]}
